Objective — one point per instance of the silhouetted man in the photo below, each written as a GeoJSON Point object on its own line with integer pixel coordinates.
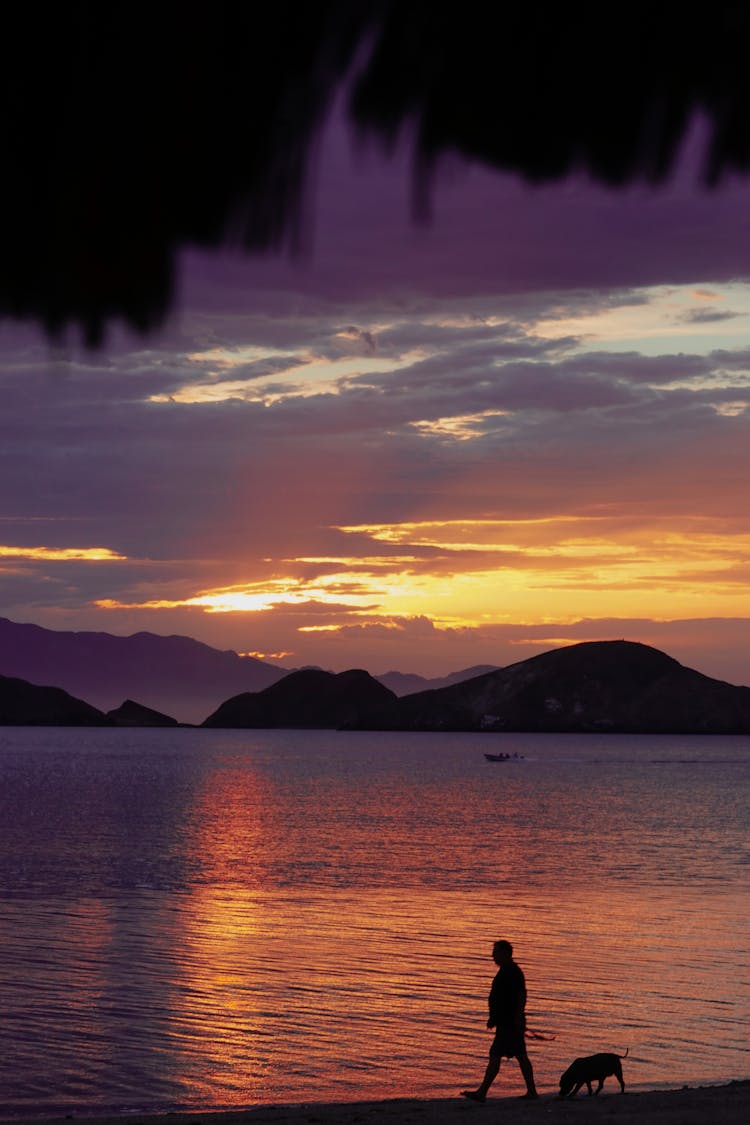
{"type": "Point", "coordinates": [508, 1017]}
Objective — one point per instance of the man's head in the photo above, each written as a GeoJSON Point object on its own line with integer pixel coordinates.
{"type": "Point", "coordinates": [502, 952]}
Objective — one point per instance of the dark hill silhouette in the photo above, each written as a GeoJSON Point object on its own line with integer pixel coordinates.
{"type": "Point", "coordinates": [175, 675]}
{"type": "Point", "coordinates": [25, 704]}
{"type": "Point", "coordinates": [132, 714]}
{"type": "Point", "coordinates": [605, 686]}
{"type": "Point", "coordinates": [132, 132]}
{"type": "Point", "coordinates": [308, 698]}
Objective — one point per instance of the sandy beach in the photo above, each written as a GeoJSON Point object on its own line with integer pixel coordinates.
{"type": "Point", "coordinates": [722, 1105]}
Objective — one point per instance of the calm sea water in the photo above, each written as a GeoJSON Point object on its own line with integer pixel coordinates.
{"type": "Point", "coordinates": [225, 918]}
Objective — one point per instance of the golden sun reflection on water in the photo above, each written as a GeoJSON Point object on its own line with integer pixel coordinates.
{"type": "Point", "coordinates": [338, 994]}
{"type": "Point", "coordinates": [221, 999]}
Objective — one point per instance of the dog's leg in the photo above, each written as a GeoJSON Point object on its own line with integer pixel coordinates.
{"type": "Point", "coordinates": [601, 1083]}
{"type": "Point", "coordinates": [618, 1076]}
{"type": "Point", "coordinates": [589, 1086]}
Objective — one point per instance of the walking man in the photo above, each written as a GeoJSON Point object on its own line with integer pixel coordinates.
{"type": "Point", "coordinates": [508, 1017]}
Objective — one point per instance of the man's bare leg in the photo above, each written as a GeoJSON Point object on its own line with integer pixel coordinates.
{"type": "Point", "coordinates": [527, 1071]}
{"type": "Point", "coordinates": [480, 1094]}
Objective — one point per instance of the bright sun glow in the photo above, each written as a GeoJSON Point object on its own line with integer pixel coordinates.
{"type": "Point", "coordinates": [481, 572]}
{"type": "Point", "coordinates": [61, 554]}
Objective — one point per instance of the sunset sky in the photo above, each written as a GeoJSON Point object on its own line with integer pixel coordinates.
{"type": "Point", "coordinates": [421, 446]}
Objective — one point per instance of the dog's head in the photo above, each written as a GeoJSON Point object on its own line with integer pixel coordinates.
{"type": "Point", "coordinates": [567, 1081]}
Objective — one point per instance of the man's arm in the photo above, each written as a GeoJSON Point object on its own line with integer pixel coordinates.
{"type": "Point", "coordinates": [493, 999]}
{"type": "Point", "coordinates": [519, 1007]}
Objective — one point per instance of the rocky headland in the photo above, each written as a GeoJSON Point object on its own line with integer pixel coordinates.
{"type": "Point", "coordinates": [597, 686]}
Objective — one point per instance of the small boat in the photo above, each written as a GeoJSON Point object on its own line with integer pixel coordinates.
{"type": "Point", "coordinates": [503, 757]}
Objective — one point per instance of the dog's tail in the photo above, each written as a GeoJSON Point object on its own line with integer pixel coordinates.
{"type": "Point", "coordinates": [625, 1055]}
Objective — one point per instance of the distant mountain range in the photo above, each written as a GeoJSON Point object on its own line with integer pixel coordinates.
{"type": "Point", "coordinates": [406, 683]}
{"type": "Point", "coordinates": [604, 686]}
{"type": "Point", "coordinates": [174, 675]}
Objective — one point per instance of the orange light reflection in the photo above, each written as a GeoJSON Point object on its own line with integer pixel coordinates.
{"type": "Point", "coordinates": [220, 998]}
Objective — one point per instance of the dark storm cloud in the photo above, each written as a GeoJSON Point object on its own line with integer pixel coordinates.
{"type": "Point", "coordinates": [636, 368]}
{"type": "Point", "coordinates": [709, 316]}
{"type": "Point", "coordinates": [365, 340]}
{"type": "Point", "coordinates": [731, 360]}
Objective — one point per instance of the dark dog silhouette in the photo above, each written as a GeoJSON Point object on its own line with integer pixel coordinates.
{"type": "Point", "coordinates": [591, 1068]}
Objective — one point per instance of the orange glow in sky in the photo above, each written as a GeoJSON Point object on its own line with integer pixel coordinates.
{"type": "Point", "coordinates": [400, 483]}
{"type": "Point", "coordinates": [61, 554]}
{"type": "Point", "coordinates": [470, 573]}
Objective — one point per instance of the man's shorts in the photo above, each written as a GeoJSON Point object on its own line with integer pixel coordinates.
{"type": "Point", "coordinates": [507, 1044]}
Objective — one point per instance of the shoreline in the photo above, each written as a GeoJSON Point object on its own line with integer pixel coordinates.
{"type": "Point", "coordinates": [687, 1105]}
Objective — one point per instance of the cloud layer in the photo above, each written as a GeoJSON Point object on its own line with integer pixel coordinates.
{"type": "Point", "coordinates": [421, 448]}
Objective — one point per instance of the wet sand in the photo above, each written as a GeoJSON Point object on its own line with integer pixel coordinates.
{"type": "Point", "coordinates": [722, 1105]}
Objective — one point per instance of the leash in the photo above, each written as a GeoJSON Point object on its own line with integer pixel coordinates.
{"type": "Point", "coordinates": [540, 1035]}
